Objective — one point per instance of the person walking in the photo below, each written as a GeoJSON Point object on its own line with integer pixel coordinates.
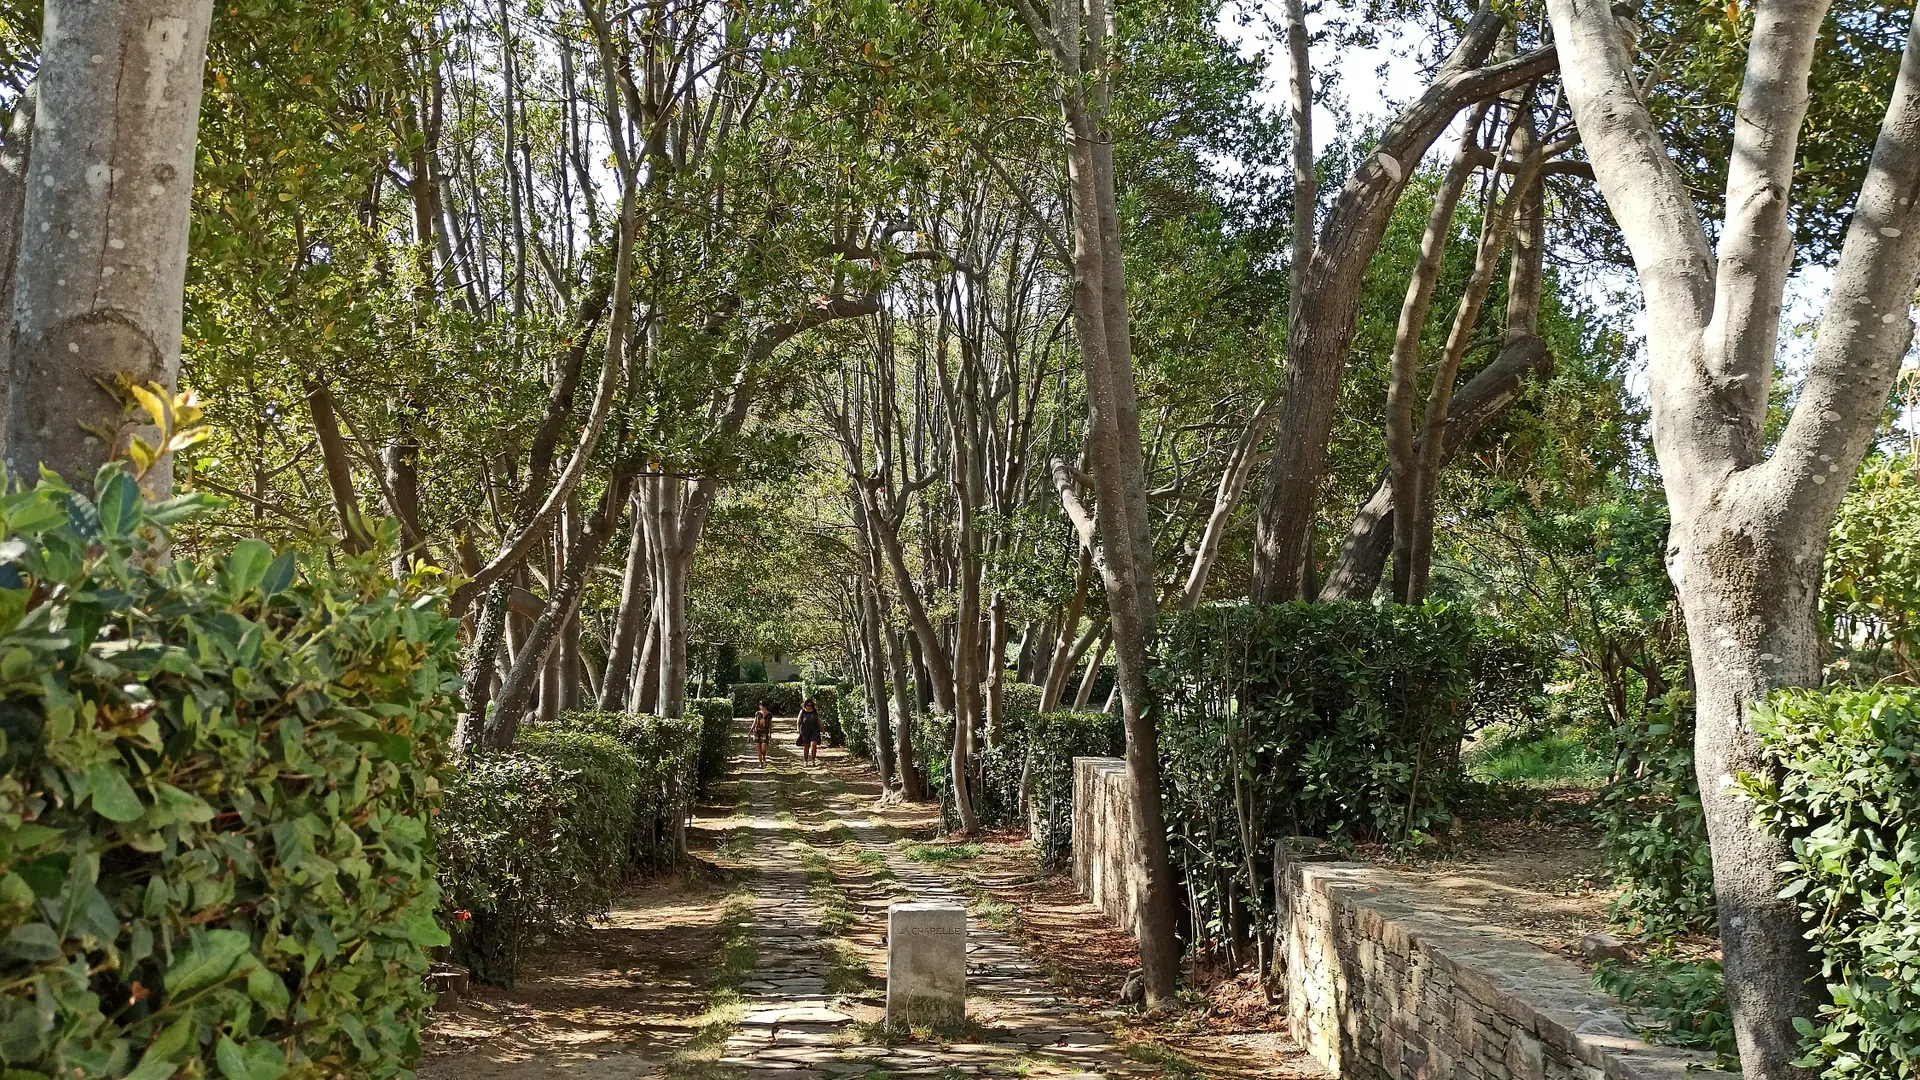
{"type": "Point", "coordinates": [809, 741]}
{"type": "Point", "coordinates": [762, 730]}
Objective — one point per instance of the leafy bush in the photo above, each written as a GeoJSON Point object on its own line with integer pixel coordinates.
{"type": "Point", "coordinates": [1684, 1000]}
{"type": "Point", "coordinates": [1027, 780]}
{"type": "Point", "coordinates": [666, 755]}
{"type": "Point", "coordinates": [216, 777]}
{"type": "Point", "coordinates": [783, 697]}
{"type": "Point", "coordinates": [716, 739]}
{"type": "Point", "coordinates": [1019, 705]}
{"type": "Point", "coordinates": [534, 841]}
{"type": "Point", "coordinates": [856, 723]}
{"type": "Point", "coordinates": [1652, 831]}
{"type": "Point", "coordinates": [1342, 721]}
{"type": "Point", "coordinates": [1846, 790]}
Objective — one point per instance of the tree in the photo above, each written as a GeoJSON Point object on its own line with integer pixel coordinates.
{"type": "Point", "coordinates": [1750, 522]}
{"type": "Point", "coordinates": [103, 242]}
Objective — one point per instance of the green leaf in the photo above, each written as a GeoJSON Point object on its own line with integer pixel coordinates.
{"type": "Point", "coordinates": [119, 503]}
{"type": "Point", "coordinates": [279, 575]}
{"type": "Point", "coordinates": [208, 958]}
{"type": "Point", "coordinates": [32, 942]}
{"type": "Point", "coordinates": [113, 797]}
{"type": "Point", "coordinates": [247, 565]}
{"type": "Point", "coordinates": [233, 1065]}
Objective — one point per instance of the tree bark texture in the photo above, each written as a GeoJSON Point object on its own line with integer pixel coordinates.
{"type": "Point", "coordinates": [103, 252]}
{"type": "Point", "coordinates": [1749, 528]}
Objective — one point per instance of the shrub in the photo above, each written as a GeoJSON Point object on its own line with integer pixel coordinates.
{"type": "Point", "coordinates": [666, 756]}
{"type": "Point", "coordinates": [856, 723]}
{"type": "Point", "coordinates": [1685, 1000]}
{"type": "Point", "coordinates": [1019, 705]}
{"type": "Point", "coordinates": [215, 782]}
{"type": "Point", "coordinates": [1846, 790]}
{"type": "Point", "coordinates": [1341, 721]}
{"type": "Point", "coordinates": [533, 842]}
{"type": "Point", "coordinates": [1027, 780]}
{"type": "Point", "coordinates": [1652, 831]}
{"type": "Point", "coordinates": [784, 698]}
{"type": "Point", "coordinates": [716, 739]}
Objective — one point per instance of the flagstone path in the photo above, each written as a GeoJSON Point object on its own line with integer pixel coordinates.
{"type": "Point", "coordinates": [813, 999]}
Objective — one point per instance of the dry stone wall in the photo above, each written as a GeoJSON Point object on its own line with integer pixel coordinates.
{"type": "Point", "coordinates": [1389, 980]}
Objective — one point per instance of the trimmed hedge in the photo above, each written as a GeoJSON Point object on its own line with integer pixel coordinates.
{"type": "Point", "coordinates": [534, 841]}
{"type": "Point", "coordinates": [1339, 720]}
{"type": "Point", "coordinates": [216, 777]}
{"type": "Point", "coordinates": [716, 739]}
{"type": "Point", "coordinates": [783, 697]}
{"type": "Point", "coordinates": [1027, 780]}
{"type": "Point", "coordinates": [856, 723]}
{"type": "Point", "coordinates": [666, 754]}
{"type": "Point", "coordinates": [1847, 794]}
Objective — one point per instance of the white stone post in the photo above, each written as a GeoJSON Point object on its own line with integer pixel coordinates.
{"type": "Point", "coordinates": [926, 965]}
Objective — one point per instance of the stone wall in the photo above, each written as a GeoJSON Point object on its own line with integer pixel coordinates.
{"type": "Point", "coordinates": [1102, 837]}
{"type": "Point", "coordinates": [1388, 979]}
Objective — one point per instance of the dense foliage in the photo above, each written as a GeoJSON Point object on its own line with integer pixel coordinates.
{"type": "Point", "coordinates": [1026, 780]}
{"type": "Point", "coordinates": [218, 777]}
{"type": "Point", "coordinates": [666, 759]}
{"type": "Point", "coordinates": [534, 841]}
{"type": "Point", "coordinates": [1652, 832]}
{"type": "Point", "coordinates": [1846, 790]}
{"type": "Point", "coordinates": [783, 698]}
{"type": "Point", "coordinates": [1341, 721]}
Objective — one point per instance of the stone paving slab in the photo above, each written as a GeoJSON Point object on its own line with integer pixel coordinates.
{"type": "Point", "coordinates": [793, 1031]}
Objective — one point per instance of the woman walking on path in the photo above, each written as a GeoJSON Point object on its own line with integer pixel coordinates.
{"type": "Point", "coordinates": [809, 741]}
{"type": "Point", "coordinates": [762, 730]}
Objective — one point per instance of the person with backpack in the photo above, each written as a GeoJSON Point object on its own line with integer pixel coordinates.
{"type": "Point", "coordinates": [762, 730]}
{"type": "Point", "coordinates": [809, 741]}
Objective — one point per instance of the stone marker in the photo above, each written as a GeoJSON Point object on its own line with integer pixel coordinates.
{"type": "Point", "coordinates": [926, 964]}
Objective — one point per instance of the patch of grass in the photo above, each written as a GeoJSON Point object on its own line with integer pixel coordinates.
{"type": "Point", "coordinates": [1172, 1064]}
{"type": "Point", "coordinates": [1548, 758]}
{"type": "Point", "coordinates": [871, 859]}
{"type": "Point", "coordinates": [997, 914]}
{"type": "Point", "coordinates": [846, 972]}
{"type": "Point", "coordinates": [941, 854]}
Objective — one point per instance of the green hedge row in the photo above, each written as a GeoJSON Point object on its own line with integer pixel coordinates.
{"type": "Point", "coordinates": [1027, 780]}
{"type": "Point", "coordinates": [1339, 720]}
{"type": "Point", "coordinates": [536, 840]}
{"type": "Point", "coordinates": [216, 778]}
{"type": "Point", "coordinates": [716, 739]}
{"type": "Point", "coordinates": [783, 697]}
{"type": "Point", "coordinates": [1848, 796]}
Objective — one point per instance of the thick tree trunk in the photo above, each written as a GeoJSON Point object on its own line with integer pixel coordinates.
{"type": "Point", "coordinates": [1749, 531]}
{"type": "Point", "coordinates": [103, 252]}
{"type": "Point", "coordinates": [913, 785]}
{"type": "Point", "coordinates": [873, 668]}
{"type": "Point", "coordinates": [1318, 344]}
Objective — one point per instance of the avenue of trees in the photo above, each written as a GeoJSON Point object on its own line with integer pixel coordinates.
{"type": "Point", "coordinates": [949, 344]}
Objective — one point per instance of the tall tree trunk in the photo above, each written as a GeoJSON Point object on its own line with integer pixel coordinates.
{"type": "Point", "coordinates": [617, 683]}
{"type": "Point", "coordinates": [1403, 384]}
{"type": "Point", "coordinates": [16, 147]}
{"type": "Point", "coordinates": [1318, 343]}
{"type": "Point", "coordinates": [1067, 650]}
{"type": "Point", "coordinates": [98, 284]}
{"type": "Point", "coordinates": [1084, 696]}
{"type": "Point", "coordinates": [913, 785]}
{"type": "Point", "coordinates": [873, 669]}
{"type": "Point", "coordinates": [1749, 528]}
{"type": "Point", "coordinates": [336, 462]}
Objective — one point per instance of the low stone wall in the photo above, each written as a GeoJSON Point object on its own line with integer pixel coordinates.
{"type": "Point", "coordinates": [1386, 980]}
{"type": "Point", "coordinates": [1102, 836]}
{"type": "Point", "coordinates": [1389, 980]}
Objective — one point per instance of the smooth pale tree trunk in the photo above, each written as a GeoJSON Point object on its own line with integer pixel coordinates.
{"type": "Point", "coordinates": [913, 785]}
{"type": "Point", "coordinates": [1403, 383]}
{"type": "Point", "coordinates": [1066, 649]}
{"type": "Point", "coordinates": [103, 248]}
{"type": "Point", "coordinates": [1329, 293]}
{"type": "Point", "coordinates": [873, 668]}
{"type": "Point", "coordinates": [1083, 697]}
{"type": "Point", "coordinates": [635, 603]}
{"type": "Point", "coordinates": [16, 146]}
{"type": "Point", "coordinates": [1749, 526]}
